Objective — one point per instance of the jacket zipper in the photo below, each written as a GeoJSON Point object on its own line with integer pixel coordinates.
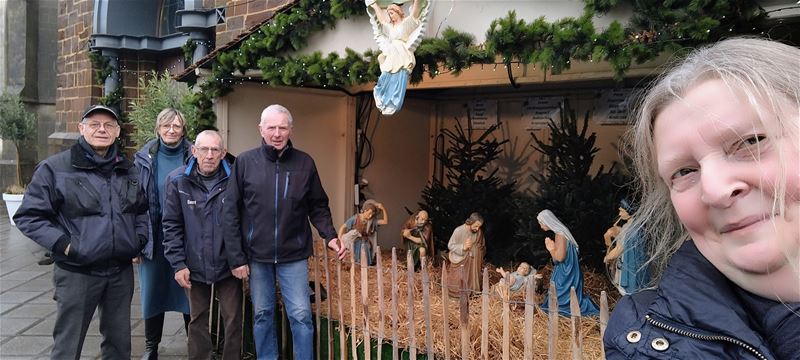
{"type": "Point", "coordinates": [735, 341]}
{"type": "Point", "coordinates": [277, 186]}
{"type": "Point", "coordinates": [111, 211]}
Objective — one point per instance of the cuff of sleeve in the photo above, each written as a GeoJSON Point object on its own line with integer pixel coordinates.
{"type": "Point", "coordinates": [61, 244]}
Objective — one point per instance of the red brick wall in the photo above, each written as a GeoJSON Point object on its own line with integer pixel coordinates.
{"type": "Point", "coordinates": [242, 15]}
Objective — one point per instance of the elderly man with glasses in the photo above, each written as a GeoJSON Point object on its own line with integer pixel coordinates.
{"type": "Point", "coordinates": [86, 206]}
{"type": "Point", "coordinates": [194, 247]}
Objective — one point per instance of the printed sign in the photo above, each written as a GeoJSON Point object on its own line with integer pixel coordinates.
{"type": "Point", "coordinates": [482, 113]}
{"type": "Point", "coordinates": [612, 106]}
{"type": "Point", "coordinates": [537, 111]}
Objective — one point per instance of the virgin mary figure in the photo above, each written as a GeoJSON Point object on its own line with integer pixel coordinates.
{"type": "Point", "coordinates": [397, 36]}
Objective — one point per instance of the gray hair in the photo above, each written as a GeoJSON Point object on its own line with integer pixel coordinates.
{"type": "Point", "coordinates": [766, 72]}
{"type": "Point", "coordinates": [166, 116]}
{"type": "Point", "coordinates": [211, 133]}
{"type": "Point", "coordinates": [550, 220]}
{"type": "Point", "coordinates": [276, 109]}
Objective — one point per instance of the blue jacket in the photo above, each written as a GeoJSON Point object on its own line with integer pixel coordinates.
{"type": "Point", "coordinates": [102, 218]}
{"type": "Point", "coordinates": [270, 200]}
{"type": "Point", "coordinates": [697, 313]}
{"type": "Point", "coordinates": [193, 226]}
{"type": "Point", "coordinates": [144, 161]}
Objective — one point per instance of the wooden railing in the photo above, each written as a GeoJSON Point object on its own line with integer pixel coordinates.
{"type": "Point", "coordinates": [428, 327]}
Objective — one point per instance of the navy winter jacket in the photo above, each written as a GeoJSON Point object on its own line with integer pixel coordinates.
{"type": "Point", "coordinates": [144, 159]}
{"type": "Point", "coordinates": [697, 313]}
{"type": "Point", "coordinates": [102, 218]}
{"type": "Point", "coordinates": [192, 223]}
{"type": "Point", "coordinates": [269, 202]}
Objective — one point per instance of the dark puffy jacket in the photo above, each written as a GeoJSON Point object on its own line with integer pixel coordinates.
{"type": "Point", "coordinates": [270, 199]}
{"type": "Point", "coordinates": [102, 218]}
{"type": "Point", "coordinates": [697, 313]}
{"type": "Point", "coordinates": [193, 225]}
{"type": "Point", "coordinates": [144, 159]}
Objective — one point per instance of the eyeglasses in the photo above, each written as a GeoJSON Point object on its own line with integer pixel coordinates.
{"type": "Point", "coordinates": [96, 126]}
{"type": "Point", "coordinates": [173, 127]}
{"type": "Point", "coordinates": [205, 150]}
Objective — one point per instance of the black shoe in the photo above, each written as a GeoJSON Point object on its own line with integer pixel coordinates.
{"type": "Point", "coordinates": [150, 351]}
{"type": "Point", "coordinates": [46, 260]}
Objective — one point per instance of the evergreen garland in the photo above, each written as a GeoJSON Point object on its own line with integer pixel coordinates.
{"type": "Point", "coordinates": [656, 26]}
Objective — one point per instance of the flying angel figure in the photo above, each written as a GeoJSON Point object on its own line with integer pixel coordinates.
{"type": "Point", "coordinates": [397, 36]}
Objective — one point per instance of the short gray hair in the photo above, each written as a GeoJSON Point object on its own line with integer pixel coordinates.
{"type": "Point", "coordinates": [212, 133]}
{"type": "Point", "coordinates": [276, 109]}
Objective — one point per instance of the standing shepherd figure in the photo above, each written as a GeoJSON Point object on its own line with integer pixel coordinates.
{"type": "Point", "coordinates": [397, 36]}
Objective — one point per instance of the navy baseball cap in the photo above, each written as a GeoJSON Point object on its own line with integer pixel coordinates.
{"type": "Point", "coordinates": [96, 108]}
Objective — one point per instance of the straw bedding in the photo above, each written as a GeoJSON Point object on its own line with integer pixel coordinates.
{"type": "Point", "coordinates": [589, 328]}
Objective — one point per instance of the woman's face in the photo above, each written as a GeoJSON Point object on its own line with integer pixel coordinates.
{"type": "Point", "coordinates": [394, 15]}
{"type": "Point", "coordinates": [721, 167]}
{"type": "Point", "coordinates": [171, 132]}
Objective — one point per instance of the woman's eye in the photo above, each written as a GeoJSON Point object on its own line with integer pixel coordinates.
{"type": "Point", "coordinates": [749, 147]}
{"type": "Point", "coordinates": [682, 172]}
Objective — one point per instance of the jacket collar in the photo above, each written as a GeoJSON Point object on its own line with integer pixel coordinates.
{"type": "Point", "coordinates": [78, 159]}
{"type": "Point", "coordinates": [151, 148]}
{"type": "Point", "coordinates": [189, 172]}
{"type": "Point", "coordinates": [695, 295]}
{"type": "Point", "coordinates": [274, 155]}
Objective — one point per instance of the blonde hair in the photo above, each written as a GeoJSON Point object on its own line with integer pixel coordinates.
{"type": "Point", "coordinates": [767, 73]}
{"type": "Point", "coordinates": [166, 116]}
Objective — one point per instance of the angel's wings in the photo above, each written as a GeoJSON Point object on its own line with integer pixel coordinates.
{"type": "Point", "coordinates": [414, 39]}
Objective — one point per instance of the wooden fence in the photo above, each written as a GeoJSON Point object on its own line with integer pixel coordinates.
{"type": "Point", "coordinates": [414, 315]}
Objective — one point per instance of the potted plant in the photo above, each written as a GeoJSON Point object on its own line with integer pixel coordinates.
{"type": "Point", "coordinates": [17, 124]}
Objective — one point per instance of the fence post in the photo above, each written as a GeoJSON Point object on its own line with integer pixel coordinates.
{"type": "Point", "coordinates": [575, 325]}
{"type": "Point", "coordinates": [365, 304]}
{"type": "Point", "coordinates": [426, 305]}
{"type": "Point", "coordinates": [463, 318]}
{"type": "Point", "coordinates": [485, 315]}
{"type": "Point", "coordinates": [394, 304]}
{"type": "Point", "coordinates": [328, 304]}
{"type": "Point", "coordinates": [552, 323]}
{"type": "Point", "coordinates": [603, 321]}
{"type": "Point", "coordinates": [412, 339]}
{"type": "Point", "coordinates": [530, 287]}
{"type": "Point", "coordinates": [381, 309]}
{"type": "Point", "coordinates": [342, 336]}
{"type": "Point", "coordinates": [445, 311]}
{"type": "Point", "coordinates": [506, 317]}
{"type": "Point", "coordinates": [353, 321]}
{"type": "Point", "coordinates": [317, 302]}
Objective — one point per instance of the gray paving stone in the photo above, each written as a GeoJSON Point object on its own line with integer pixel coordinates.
{"type": "Point", "coordinates": [35, 285]}
{"type": "Point", "coordinates": [43, 328]}
{"type": "Point", "coordinates": [5, 307]}
{"type": "Point", "coordinates": [27, 345]}
{"type": "Point", "coordinates": [12, 326]}
{"type": "Point", "coordinates": [18, 297]}
{"type": "Point", "coordinates": [44, 298]}
{"type": "Point", "coordinates": [31, 311]}
{"type": "Point", "coordinates": [10, 285]}
{"type": "Point", "coordinates": [24, 275]}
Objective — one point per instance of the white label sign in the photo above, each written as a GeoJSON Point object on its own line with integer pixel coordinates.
{"type": "Point", "coordinates": [483, 113]}
{"type": "Point", "coordinates": [537, 111]}
{"type": "Point", "coordinates": [612, 107]}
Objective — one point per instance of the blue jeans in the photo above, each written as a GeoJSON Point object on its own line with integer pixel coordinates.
{"type": "Point", "coordinates": [293, 279]}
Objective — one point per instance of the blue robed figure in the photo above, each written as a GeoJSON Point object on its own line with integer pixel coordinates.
{"type": "Point", "coordinates": [628, 250]}
{"type": "Point", "coordinates": [397, 36]}
{"type": "Point", "coordinates": [566, 267]}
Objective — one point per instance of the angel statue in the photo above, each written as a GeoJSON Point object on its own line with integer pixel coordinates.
{"type": "Point", "coordinates": [397, 36]}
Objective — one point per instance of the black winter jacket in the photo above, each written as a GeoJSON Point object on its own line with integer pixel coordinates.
{"type": "Point", "coordinates": [697, 313]}
{"type": "Point", "coordinates": [268, 204]}
{"type": "Point", "coordinates": [102, 218]}
{"type": "Point", "coordinates": [192, 224]}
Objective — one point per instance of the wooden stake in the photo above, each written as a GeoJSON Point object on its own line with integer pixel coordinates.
{"type": "Point", "coordinates": [530, 305]}
{"type": "Point", "coordinates": [381, 309]}
{"type": "Point", "coordinates": [485, 316]}
{"type": "Point", "coordinates": [575, 325]}
{"type": "Point", "coordinates": [328, 304]}
{"type": "Point", "coordinates": [463, 318]}
{"type": "Point", "coordinates": [552, 323]}
{"type": "Point", "coordinates": [353, 321]}
{"type": "Point", "coordinates": [317, 302]}
{"type": "Point", "coordinates": [603, 320]}
{"type": "Point", "coordinates": [506, 318]}
{"type": "Point", "coordinates": [342, 335]}
{"type": "Point", "coordinates": [394, 305]}
{"type": "Point", "coordinates": [426, 306]}
{"type": "Point", "coordinates": [412, 340]}
{"type": "Point", "coordinates": [445, 311]}
{"type": "Point", "coordinates": [365, 304]}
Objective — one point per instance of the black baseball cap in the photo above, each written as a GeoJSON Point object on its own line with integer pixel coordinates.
{"type": "Point", "coordinates": [95, 108]}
